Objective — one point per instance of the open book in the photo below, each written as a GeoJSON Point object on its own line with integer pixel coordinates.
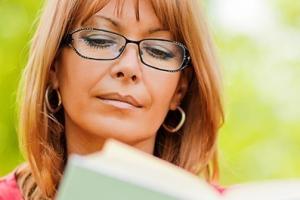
{"type": "Point", "coordinates": [121, 172]}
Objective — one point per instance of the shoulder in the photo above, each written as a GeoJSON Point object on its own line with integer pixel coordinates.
{"type": "Point", "coordinates": [9, 189]}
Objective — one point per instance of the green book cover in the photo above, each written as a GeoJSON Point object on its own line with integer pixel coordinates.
{"type": "Point", "coordinates": [122, 172]}
{"type": "Point", "coordinates": [82, 183]}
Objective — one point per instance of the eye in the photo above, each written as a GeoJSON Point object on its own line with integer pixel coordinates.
{"type": "Point", "coordinates": [97, 41]}
{"type": "Point", "coordinates": [158, 53]}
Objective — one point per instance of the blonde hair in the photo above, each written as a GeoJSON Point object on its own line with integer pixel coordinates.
{"type": "Point", "coordinates": [42, 136]}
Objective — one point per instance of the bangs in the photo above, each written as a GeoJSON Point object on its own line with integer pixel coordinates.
{"type": "Point", "coordinates": [170, 13]}
{"type": "Point", "coordinates": [85, 9]}
{"type": "Point", "coordinates": [167, 12]}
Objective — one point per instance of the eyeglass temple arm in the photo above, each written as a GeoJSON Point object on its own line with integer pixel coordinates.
{"type": "Point", "coordinates": [67, 39]}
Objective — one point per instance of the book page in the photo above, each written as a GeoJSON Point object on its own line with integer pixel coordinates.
{"type": "Point", "coordinates": [268, 190]}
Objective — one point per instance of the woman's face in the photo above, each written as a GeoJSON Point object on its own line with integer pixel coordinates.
{"type": "Point", "coordinates": [94, 92]}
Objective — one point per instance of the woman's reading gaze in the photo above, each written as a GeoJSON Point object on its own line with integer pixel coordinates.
{"type": "Point", "coordinates": [100, 44]}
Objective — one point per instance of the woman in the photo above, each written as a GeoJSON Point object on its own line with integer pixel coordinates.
{"type": "Point", "coordinates": [141, 72]}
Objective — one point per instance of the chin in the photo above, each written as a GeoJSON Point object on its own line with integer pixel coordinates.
{"type": "Point", "coordinates": [121, 132]}
{"type": "Point", "coordinates": [127, 130]}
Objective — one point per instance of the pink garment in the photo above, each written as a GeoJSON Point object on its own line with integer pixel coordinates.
{"type": "Point", "coordinates": [9, 189]}
{"type": "Point", "coordinates": [221, 190]}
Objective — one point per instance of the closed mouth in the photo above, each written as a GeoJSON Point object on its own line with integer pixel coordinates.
{"type": "Point", "coordinates": [120, 100]}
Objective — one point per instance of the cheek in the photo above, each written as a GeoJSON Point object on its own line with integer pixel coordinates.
{"type": "Point", "coordinates": [162, 87]}
{"type": "Point", "coordinates": [76, 78]}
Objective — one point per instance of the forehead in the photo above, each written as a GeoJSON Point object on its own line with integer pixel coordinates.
{"type": "Point", "coordinates": [127, 14]}
{"type": "Point", "coordinates": [133, 9]}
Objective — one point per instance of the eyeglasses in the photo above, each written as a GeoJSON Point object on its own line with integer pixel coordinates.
{"type": "Point", "coordinates": [98, 44]}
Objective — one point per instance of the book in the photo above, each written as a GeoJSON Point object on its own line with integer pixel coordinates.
{"type": "Point", "coordinates": [122, 172]}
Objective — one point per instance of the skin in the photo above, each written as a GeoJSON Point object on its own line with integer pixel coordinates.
{"type": "Point", "coordinates": [88, 120]}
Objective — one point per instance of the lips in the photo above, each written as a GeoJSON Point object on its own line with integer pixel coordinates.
{"type": "Point", "coordinates": [121, 98]}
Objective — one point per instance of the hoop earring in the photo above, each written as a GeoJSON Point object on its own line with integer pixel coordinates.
{"type": "Point", "coordinates": [180, 124]}
{"type": "Point", "coordinates": [48, 95]}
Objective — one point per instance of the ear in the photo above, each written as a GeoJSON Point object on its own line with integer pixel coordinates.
{"type": "Point", "coordinates": [181, 89]}
{"type": "Point", "coordinates": [53, 75]}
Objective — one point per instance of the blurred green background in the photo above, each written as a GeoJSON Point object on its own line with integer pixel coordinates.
{"type": "Point", "coordinates": [258, 45]}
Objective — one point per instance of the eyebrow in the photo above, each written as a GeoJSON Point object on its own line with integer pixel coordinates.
{"type": "Point", "coordinates": [113, 22]}
{"type": "Point", "coordinates": [153, 30]}
{"type": "Point", "coordinates": [117, 24]}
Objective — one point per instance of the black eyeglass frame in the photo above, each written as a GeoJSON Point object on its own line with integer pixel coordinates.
{"type": "Point", "coordinates": [68, 39]}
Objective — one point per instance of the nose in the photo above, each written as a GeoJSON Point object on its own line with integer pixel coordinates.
{"type": "Point", "coordinates": [128, 65]}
